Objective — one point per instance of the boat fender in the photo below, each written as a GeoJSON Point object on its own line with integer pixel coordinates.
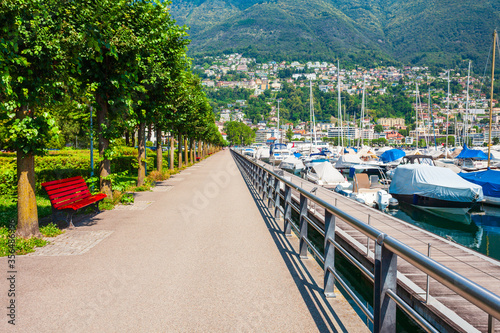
{"type": "Point", "coordinates": [359, 200]}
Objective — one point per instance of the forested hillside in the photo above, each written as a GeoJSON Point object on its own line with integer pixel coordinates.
{"type": "Point", "coordinates": [362, 31]}
{"type": "Point", "coordinates": [294, 104]}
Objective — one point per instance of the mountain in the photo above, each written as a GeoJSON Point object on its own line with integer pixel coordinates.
{"type": "Point", "coordinates": [440, 32]}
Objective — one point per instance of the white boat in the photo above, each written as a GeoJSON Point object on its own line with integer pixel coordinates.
{"type": "Point", "coordinates": [277, 153]}
{"type": "Point", "coordinates": [315, 158]}
{"type": "Point", "coordinates": [292, 164]}
{"type": "Point", "coordinates": [345, 162]}
{"type": "Point", "coordinates": [263, 154]}
{"type": "Point", "coordinates": [437, 190]}
{"type": "Point", "coordinates": [369, 187]}
{"type": "Point", "coordinates": [249, 152]}
{"type": "Point", "coordinates": [324, 174]}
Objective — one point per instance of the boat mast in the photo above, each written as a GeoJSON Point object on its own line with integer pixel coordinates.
{"type": "Point", "coordinates": [427, 125]}
{"type": "Point", "coordinates": [279, 130]}
{"type": "Point", "coordinates": [348, 127]}
{"type": "Point", "coordinates": [432, 118]}
{"type": "Point", "coordinates": [466, 122]}
{"type": "Point", "coordinates": [362, 113]}
{"type": "Point", "coordinates": [311, 108]}
{"type": "Point", "coordinates": [416, 117]}
{"type": "Point", "coordinates": [447, 115]}
{"type": "Point", "coordinates": [491, 93]}
{"type": "Point", "coordinates": [340, 105]}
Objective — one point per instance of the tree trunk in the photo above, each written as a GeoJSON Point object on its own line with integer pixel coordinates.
{"type": "Point", "coordinates": [179, 150]}
{"type": "Point", "coordinates": [150, 130]}
{"type": "Point", "coordinates": [159, 151]}
{"type": "Point", "coordinates": [141, 156]}
{"type": "Point", "coordinates": [127, 138]}
{"type": "Point", "coordinates": [172, 151]}
{"type": "Point", "coordinates": [27, 211]}
{"type": "Point", "coordinates": [186, 151]}
{"type": "Point", "coordinates": [199, 149]}
{"type": "Point", "coordinates": [105, 166]}
{"type": "Point", "coordinates": [191, 150]}
{"type": "Point", "coordinates": [133, 138]}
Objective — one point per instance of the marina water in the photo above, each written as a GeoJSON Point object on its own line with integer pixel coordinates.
{"type": "Point", "coordinates": [481, 234]}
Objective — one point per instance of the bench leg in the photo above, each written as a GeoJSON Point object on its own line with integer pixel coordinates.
{"type": "Point", "coordinates": [54, 215]}
{"type": "Point", "coordinates": [97, 207]}
{"type": "Point", "coordinates": [70, 220]}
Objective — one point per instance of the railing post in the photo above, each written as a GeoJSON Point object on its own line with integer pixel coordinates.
{"type": "Point", "coordinates": [254, 174]}
{"type": "Point", "coordinates": [491, 324]}
{"type": "Point", "coordinates": [427, 290]}
{"type": "Point", "coordinates": [329, 254]}
{"type": "Point", "coordinates": [259, 181]}
{"type": "Point", "coordinates": [270, 185]}
{"type": "Point", "coordinates": [277, 191]}
{"type": "Point", "coordinates": [385, 274]}
{"type": "Point", "coordinates": [262, 185]}
{"type": "Point", "coordinates": [287, 228]}
{"type": "Point", "coordinates": [303, 227]}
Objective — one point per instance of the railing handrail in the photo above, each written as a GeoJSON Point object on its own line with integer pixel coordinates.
{"type": "Point", "coordinates": [473, 292]}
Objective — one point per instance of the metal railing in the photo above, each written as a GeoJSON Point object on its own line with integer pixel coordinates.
{"type": "Point", "coordinates": [387, 250]}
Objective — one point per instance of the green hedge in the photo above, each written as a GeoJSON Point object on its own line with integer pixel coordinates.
{"type": "Point", "coordinates": [70, 163]}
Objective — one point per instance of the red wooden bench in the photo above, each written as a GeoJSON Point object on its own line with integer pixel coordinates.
{"type": "Point", "coordinates": [69, 195]}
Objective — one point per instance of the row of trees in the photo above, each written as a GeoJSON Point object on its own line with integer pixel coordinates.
{"type": "Point", "coordinates": [125, 58]}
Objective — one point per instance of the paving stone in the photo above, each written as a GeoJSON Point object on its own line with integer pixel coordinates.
{"type": "Point", "coordinates": [137, 205]}
{"type": "Point", "coordinates": [72, 242]}
{"type": "Point", "coordinates": [163, 188]}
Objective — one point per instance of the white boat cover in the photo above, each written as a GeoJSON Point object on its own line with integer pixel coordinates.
{"type": "Point", "coordinates": [262, 153]}
{"type": "Point", "coordinates": [292, 160]}
{"type": "Point", "coordinates": [348, 159]}
{"type": "Point", "coordinates": [327, 173]}
{"type": "Point", "coordinates": [433, 182]}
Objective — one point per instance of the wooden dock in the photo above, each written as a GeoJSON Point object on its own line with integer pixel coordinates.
{"type": "Point", "coordinates": [450, 307]}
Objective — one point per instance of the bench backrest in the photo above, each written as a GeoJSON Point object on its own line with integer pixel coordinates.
{"type": "Point", "coordinates": [66, 191]}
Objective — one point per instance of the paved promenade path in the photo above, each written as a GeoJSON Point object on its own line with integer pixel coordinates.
{"type": "Point", "coordinates": [197, 254]}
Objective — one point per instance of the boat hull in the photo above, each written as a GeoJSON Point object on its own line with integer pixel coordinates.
{"type": "Point", "coordinates": [418, 200]}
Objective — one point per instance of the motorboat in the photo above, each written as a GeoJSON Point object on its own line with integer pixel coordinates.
{"type": "Point", "coordinates": [413, 159]}
{"type": "Point", "coordinates": [391, 158]}
{"type": "Point", "coordinates": [472, 159]}
{"type": "Point", "coordinates": [292, 164]}
{"type": "Point", "coordinates": [262, 154]}
{"type": "Point", "coordinates": [250, 152]}
{"type": "Point", "coordinates": [315, 158]}
{"type": "Point", "coordinates": [440, 191]}
{"type": "Point", "coordinates": [277, 153]}
{"type": "Point", "coordinates": [489, 180]}
{"type": "Point", "coordinates": [417, 159]}
{"type": "Point", "coordinates": [324, 174]}
{"type": "Point", "coordinates": [345, 162]}
{"type": "Point", "coordinates": [369, 187]}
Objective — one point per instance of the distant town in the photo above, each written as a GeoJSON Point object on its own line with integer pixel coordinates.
{"type": "Point", "coordinates": [467, 108]}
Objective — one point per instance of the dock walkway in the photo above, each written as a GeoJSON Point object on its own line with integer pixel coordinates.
{"type": "Point", "coordinates": [482, 270]}
{"type": "Point", "coordinates": [197, 254]}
